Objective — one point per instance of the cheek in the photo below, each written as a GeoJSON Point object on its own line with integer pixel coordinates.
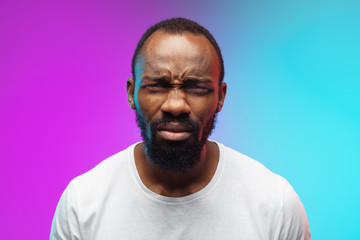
{"type": "Point", "coordinates": [147, 105]}
{"type": "Point", "coordinates": [204, 109]}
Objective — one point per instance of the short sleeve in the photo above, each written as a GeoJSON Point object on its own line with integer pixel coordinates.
{"type": "Point", "coordinates": [292, 223]}
{"type": "Point", "coordinates": [65, 224]}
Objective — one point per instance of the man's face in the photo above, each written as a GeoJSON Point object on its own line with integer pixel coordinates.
{"type": "Point", "coordinates": [176, 96]}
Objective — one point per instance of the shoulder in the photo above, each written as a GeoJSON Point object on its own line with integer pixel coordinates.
{"type": "Point", "coordinates": [248, 170]}
{"type": "Point", "coordinates": [103, 181]}
{"type": "Point", "coordinates": [105, 171]}
{"type": "Point", "coordinates": [88, 192]}
{"type": "Point", "coordinates": [252, 176]}
{"type": "Point", "coordinates": [267, 193]}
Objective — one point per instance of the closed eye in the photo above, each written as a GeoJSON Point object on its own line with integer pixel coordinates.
{"type": "Point", "coordinates": [157, 86]}
{"type": "Point", "coordinates": [197, 89]}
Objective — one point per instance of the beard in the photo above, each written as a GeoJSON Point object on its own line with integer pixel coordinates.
{"type": "Point", "coordinates": [174, 156]}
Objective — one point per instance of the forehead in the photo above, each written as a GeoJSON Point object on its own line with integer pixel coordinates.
{"type": "Point", "coordinates": [178, 54]}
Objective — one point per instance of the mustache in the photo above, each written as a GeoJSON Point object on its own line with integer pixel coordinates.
{"type": "Point", "coordinates": [185, 121]}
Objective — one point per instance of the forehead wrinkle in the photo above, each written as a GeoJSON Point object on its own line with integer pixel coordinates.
{"type": "Point", "coordinates": [173, 62]}
{"type": "Point", "coordinates": [164, 69]}
{"type": "Point", "coordinates": [168, 69]}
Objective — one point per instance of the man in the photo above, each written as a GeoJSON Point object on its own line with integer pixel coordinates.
{"type": "Point", "coordinates": [177, 184]}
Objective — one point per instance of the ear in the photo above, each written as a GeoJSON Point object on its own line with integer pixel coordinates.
{"type": "Point", "coordinates": [130, 88]}
{"type": "Point", "coordinates": [222, 94]}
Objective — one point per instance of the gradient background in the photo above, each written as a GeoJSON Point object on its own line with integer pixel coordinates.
{"type": "Point", "coordinates": [293, 75]}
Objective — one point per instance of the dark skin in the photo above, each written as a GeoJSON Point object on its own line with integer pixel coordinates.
{"type": "Point", "coordinates": [177, 75]}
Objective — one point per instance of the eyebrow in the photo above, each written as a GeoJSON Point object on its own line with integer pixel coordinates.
{"type": "Point", "coordinates": [189, 79]}
{"type": "Point", "coordinates": [155, 78]}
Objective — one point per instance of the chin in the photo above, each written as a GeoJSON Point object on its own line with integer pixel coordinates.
{"type": "Point", "coordinates": [174, 156]}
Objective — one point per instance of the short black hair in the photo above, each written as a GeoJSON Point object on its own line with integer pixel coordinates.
{"type": "Point", "coordinates": [178, 26]}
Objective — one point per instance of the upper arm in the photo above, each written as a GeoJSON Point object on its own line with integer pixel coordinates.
{"type": "Point", "coordinates": [292, 223]}
{"type": "Point", "coordinates": [65, 224]}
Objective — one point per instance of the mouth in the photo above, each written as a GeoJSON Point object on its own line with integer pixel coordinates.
{"type": "Point", "coordinates": [173, 132]}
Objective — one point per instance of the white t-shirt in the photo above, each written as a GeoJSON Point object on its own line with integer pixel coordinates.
{"type": "Point", "coordinates": [244, 200]}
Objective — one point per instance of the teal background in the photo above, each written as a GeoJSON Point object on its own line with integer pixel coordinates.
{"type": "Point", "coordinates": [293, 71]}
{"type": "Point", "coordinates": [293, 75]}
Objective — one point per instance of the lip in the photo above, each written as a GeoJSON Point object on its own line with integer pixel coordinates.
{"type": "Point", "coordinates": [174, 136]}
{"type": "Point", "coordinates": [174, 132]}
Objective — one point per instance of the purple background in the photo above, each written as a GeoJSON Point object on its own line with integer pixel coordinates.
{"type": "Point", "coordinates": [293, 98]}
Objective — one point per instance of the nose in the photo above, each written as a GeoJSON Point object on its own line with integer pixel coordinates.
{"type": "Point", "coordinates": [176, 103]}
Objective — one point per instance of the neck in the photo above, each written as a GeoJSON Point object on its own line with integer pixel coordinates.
{"type": "Point", "coordinates": [178, 184]}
